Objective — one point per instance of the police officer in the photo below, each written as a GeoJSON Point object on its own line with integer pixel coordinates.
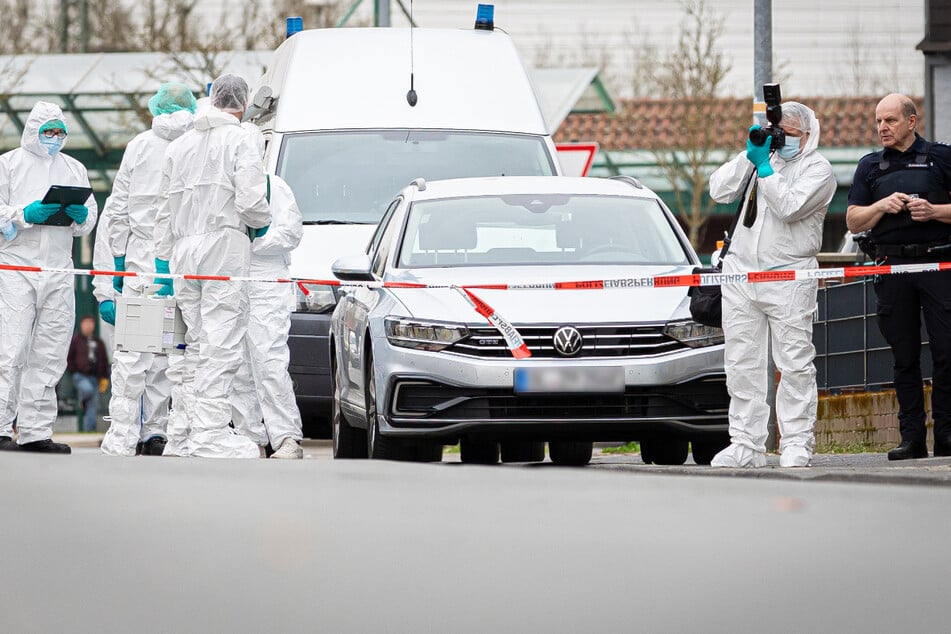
{"type": "Point", "coordinates": [901, 196]}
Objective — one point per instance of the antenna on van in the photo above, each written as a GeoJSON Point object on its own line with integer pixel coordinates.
{"type": "Point", "coordinates": [411, 95]}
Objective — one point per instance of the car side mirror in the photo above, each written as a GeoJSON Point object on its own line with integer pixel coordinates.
{"type": "Point", "coordinates": [260, 103]}
{"type": "Point", "coordinates": [353, 268]}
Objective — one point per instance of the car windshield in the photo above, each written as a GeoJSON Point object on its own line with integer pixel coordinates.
{"type": "Point", "coordinates": [344, 177]}
{"type": "Point", "coordinates": [543, 229]}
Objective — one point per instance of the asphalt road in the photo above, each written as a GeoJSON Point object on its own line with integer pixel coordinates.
{"type": "Point", "coordinates": [151, 544]}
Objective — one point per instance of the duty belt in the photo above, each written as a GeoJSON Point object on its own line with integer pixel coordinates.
{"type": "Point", "coordinates": [911, 250]}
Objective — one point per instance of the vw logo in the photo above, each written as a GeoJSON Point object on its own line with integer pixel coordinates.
{"type": "Point", "coordinates": [567, 341]}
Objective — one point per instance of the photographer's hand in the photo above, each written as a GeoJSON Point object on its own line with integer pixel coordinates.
{"type": "Point", "coordinates": [758, 155]}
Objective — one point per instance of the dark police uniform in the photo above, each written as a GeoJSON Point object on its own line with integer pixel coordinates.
{"type": "Point", "coordinates": [923, 169]}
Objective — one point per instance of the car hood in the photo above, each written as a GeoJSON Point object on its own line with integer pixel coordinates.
{"type": "Point", "coordinates": [630, 304]}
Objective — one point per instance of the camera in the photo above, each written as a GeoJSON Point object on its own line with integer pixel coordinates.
{"type": "Point", "coordinates": [774, 114]}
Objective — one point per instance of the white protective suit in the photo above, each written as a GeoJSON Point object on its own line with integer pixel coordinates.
{"type": "Point", "coordinates": [37, 310]}
{"type": "Point", "coordinates": [263, 386]}
{"type": "Point", "coordinates": [213, 187]}
{"type": "Point", "coordinates": [132, 208]}
{"type": "Point", "coordinates": [787, 234]}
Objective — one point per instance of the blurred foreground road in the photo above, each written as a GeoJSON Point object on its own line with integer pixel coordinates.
{"type": "Point", "coordinates": [157, 545]}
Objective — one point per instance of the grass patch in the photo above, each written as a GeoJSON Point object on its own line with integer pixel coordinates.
{"type": "Point", "coordinates": [451, 449]}
{"type": "Point", "coordinates": [835, 447]}
{"type": "Point", "coordinates": [631, 447]}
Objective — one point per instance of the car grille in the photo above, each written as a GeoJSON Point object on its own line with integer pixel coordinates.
{"type": "Point", "coordinates": [433, 402]}
{"type": "Point", "coordinates": [608, 340]}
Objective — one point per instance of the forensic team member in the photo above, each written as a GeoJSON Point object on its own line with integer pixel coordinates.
{"type": "Point", "coordinates": [263, 388]}
{"type": "Point", "coordinates": [787, 195]}
{"type": "Point", "coordinates": [901, 194]}
{"type": "Point", "coordinates": [131, 210]}
{"type": "Point", "coordinates": [213, 189]}
{"type": "Point", "coordinates": [37, 310]}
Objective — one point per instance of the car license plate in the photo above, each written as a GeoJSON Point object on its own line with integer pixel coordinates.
{"type": "Point", "coordinates": [569, 379]}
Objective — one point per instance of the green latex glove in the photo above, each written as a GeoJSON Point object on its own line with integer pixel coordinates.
{"type": "Point", "coordinates": [78, 213]}
{"type": "Point", "coordinates": [261, 231]}
{"type": "Point", "coordinates": [161, 266]}
{"type": "Point", "coordinates": [119, 264]}
{"type": "Point", "coordinates": [758, 155]}
{"type": "Point", "coordinates": [36, 213]}
{"type": "Point", "coordinates": [107, 310]}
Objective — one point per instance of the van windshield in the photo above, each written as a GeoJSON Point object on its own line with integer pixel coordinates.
{"type": "Point", "coordinates": [352, 176]}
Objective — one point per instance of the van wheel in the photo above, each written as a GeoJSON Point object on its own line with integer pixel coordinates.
{"type": "Point", "coordinates": [478, 451]}
{"type": "Point", "coordinates": [570, 453]}
{"type": "Point", "coordinates": [705, 450]}
{"type": "Point", "coordinates": [666, 451]}
{"type": "Point", "coordinates": [523, 451]}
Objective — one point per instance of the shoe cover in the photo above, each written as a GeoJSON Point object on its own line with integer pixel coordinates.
{"type": "Point", "coordinates": [222, 443]}
{"type": "Point", "coordinates": [739, 456]}
{"type": "Point", "coordinates": [795, 456]}
{"type": "Point", "coordinates": [290, 449]}
{"type": "Point", "coordinates": [177, 448]}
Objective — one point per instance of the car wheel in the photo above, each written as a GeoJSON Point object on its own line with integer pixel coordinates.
{"type": "Point", "coordinates": [705, 450]}
{"type": "Point", "coordinates": [570, 453]}
{"type": "Point", "coordinates": [478, 451]}
{"type": "Point", "coordinates": [646, 456]}
{"type": "Point", "coordinates": [379, 447]}
{"type": "Point", "coordinates": [666, 451]}
{"type": "Point", "coordinates": [348, 441]}
{"type": "Point", "coordinates": [522, 451]}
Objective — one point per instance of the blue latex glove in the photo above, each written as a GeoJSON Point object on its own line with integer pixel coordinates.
{"type": "Point", "coordinates": [78, 213]}
{"type": "Point", "coordinates": [36, 213]}
{"type": "Point", "coordinates": [107, 310]}
{"type": "Point", "coordinates": [119, 263]}
{"type": "Point", "coordinates": [161, 266]}
{"type": "Point", "coordinates": [261, 231]}
{"type": "Point", "coordinates": [758, 155]}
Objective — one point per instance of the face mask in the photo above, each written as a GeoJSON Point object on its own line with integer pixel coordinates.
{"type": "Point", "coordinates": [52, 144]}
{"type": "Point", "coordinates": [791, 148]}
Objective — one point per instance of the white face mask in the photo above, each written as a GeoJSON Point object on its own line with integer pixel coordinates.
{"type": "Point", "coordinates": [790, 148]}
{"type": "Point", "coordinates": [52, 144]}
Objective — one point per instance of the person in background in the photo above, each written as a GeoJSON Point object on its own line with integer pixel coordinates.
{"type": "Point", "coordinates": [263, 388]}
{"type": "Point", "coordinates": [213, 189]}
{"type": "Point", "coordinates": [37, 310]}
{"type": "Point", "coordinates": [787, 194]}
{"type": "Point", "coordinates": [88, 362]}
{"type": "Point", "coordinates": [131, 210]}
{"type": "Point", "coordinates": [900, 195]}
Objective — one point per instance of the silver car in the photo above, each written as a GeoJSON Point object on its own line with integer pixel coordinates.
{"type": "Point", "coordinates": [416, 365]}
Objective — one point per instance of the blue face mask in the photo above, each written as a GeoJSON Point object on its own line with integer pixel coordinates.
{"type": "Point", "coordinates": [52, 144]}
{"type": "Point", "coordinates": [791, 147]}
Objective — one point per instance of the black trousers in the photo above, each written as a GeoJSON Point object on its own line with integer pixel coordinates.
{"type": "Point", "coordinates": [902, 300]}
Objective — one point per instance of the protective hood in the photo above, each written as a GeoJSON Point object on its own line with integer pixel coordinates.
{"type": "Point", "coordinates": [171, 126]}
{"type": "Point", "coordinates": [810, 123]}
{"type": "Point", "coordinates": [42, 112]}
{"type": "Point", "coordinates": [214, 118]}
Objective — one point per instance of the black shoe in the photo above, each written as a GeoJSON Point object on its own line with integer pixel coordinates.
{"type": "Point", "coordinates": [152, 446]}
{"type": "Point", "coordinates": [8, 444]}
{"type": "Point", "coordinates": [908, 449]}
{"type": "Point", "coordinates": [45, 446]}
{"type": "Point", "coordinates": [942, 445]}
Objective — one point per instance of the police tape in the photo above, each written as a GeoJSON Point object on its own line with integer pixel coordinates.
{"type": "Point", "coordinates": [513, 339]}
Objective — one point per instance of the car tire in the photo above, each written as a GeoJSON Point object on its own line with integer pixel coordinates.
{"type": "Point", "coordinates": [705, 450]}
{"type": "Point", "coordinates": [478, 451]}
{"type": "Point", "coordinates": [522, 451]}
{"type": "Point", "coordinates": [570, 453]}
{"type": "Point", "coordinates": [646, 456]}
{"type": "Point", "coordinates": [379, 447]}
{"type": "Point", "coordinates": [348, 442]}
{"type": "Point", "coordinates": [423, 452]}
{"type": "Point", "coordinates": [666, 451]}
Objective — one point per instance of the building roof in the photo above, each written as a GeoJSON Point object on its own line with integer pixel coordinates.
{"type": "Point", "coordinates": [652, 124]}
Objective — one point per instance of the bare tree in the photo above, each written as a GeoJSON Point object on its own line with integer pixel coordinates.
{"type": "Point", "coordinates": [691, 76]}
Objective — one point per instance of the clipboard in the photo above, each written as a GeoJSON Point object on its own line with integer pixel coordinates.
{"type": "Point", "coordinates": [65, 195]}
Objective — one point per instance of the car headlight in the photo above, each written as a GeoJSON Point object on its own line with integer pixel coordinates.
{"type": "Point", "coordinates": [694, 335]}
{"type": "Point", "coordinates": [319, 298]}
{"type": "Point", "coordinates": [423, 335]}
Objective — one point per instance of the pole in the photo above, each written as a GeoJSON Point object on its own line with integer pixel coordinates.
{"type": "Point", "coordinates": [381, 13]}
{"type": "Point", "coordinates": [63, 25]}
{"type": "Point", "coordinates": [763, 74]}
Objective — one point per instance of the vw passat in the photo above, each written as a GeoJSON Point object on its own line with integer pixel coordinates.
{"type": "Point", "coordinates": [433, 346]}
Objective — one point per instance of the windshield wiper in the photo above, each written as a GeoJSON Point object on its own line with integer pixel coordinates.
{"type": "Point", "coordinates": [337, 222]}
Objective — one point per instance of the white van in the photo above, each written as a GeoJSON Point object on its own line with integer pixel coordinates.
{"type": "Point", "coordinates": [342, 133]}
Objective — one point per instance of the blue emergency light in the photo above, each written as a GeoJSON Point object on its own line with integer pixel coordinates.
{"type": "Point", "coordinates": [294, 25]}
{"type": "Point", "coordinates": [485, 16]}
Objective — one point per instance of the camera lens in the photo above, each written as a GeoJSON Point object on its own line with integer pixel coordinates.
{"type": "Point", "coordinates": [758, 136]}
